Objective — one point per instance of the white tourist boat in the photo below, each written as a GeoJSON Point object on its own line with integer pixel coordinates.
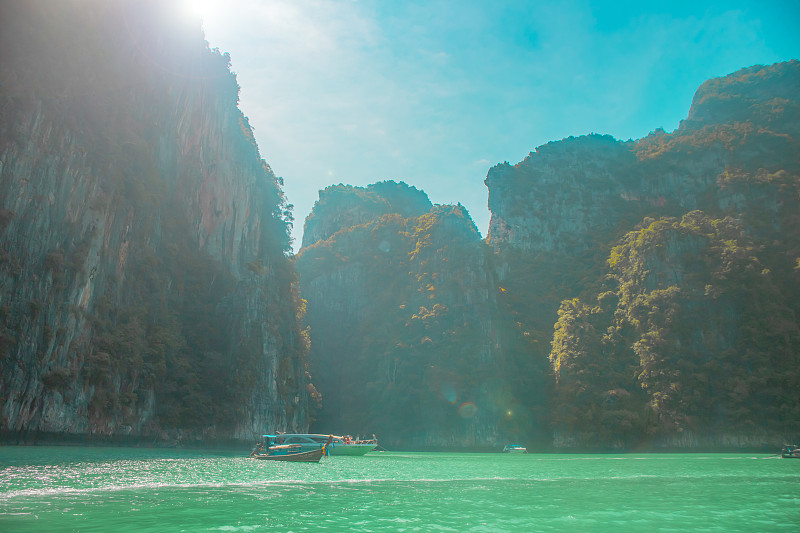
{"type": "Point", "coordinates": [514, 448]}
{"type": "Point", "coordinates": [339, 445]}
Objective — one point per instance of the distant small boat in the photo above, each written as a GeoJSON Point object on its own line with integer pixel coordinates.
{"type": "Point", "coordinates": [790, 451]}
{"type": "Point", "coordinates": [514, 448]}
{"type": "Point", "coordinates": [268, 450]}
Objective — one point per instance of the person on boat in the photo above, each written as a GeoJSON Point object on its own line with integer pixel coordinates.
{"type": "Point", "coordinates": [258, 450]}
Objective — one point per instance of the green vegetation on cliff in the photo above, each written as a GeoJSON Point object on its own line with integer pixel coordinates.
{"type": "Point", "coordinates": [694, 335]}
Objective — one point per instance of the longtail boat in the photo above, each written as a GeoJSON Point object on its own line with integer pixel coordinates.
{"type": "Point", "coordinates": [268, 450]}
{"type": "Point", "coordinates": [790, 451]}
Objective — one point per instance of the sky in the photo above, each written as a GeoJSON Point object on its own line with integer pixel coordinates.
{"type": "Point", "coordinates": [434, 93]}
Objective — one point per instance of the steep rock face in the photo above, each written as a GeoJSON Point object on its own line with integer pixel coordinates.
{"type": "Point", "coordinates": [566, 193]}
{"type": "Point", "coordinates": [344, 206]}
{"type": "Point", "coordinates": [665, 350]}
{"type": "Point", "coordinates": [142, 240]}
{"type": "Point", "coordinates": [555, 197]}
{"type": "Point", "coordinates": [406, 338]}
{"type": "Point", "coordinates": [751, 94]}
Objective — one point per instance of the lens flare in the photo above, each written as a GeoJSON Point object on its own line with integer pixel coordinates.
{"type": "Point", "coordinates": [467, 410]}
{"type": "Point", "coordinates": [449, 392]}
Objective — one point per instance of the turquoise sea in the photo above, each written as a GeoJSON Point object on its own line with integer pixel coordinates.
{"type": "Point", "coordinates": [52, 489]}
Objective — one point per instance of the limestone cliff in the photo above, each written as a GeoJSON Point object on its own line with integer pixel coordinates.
{"type": "Point", "coordinates": [406, 338]}
{"type": "Point", "coordinates": [669, 267]}
{"type": "Point", "coordinates": [145, 288]}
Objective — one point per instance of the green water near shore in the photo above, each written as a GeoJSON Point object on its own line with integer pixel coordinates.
{"type": "Point", "coordinates": [121, 490]}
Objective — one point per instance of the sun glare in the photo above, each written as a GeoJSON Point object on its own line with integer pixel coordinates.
{"type": "Point", "coordinates": [202, 9]}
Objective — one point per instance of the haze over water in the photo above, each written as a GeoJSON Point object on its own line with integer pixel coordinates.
{"type": "Point", "coordinates": [120, 490]}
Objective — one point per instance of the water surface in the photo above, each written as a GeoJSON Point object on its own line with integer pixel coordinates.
{"type": "Point", "coordinates": [119, 490]}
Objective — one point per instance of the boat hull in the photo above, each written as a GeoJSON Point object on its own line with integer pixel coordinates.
{"type": "Point", "coordinates": [350, 449]}
{"type": "Point", "coordinates": [311, 456]}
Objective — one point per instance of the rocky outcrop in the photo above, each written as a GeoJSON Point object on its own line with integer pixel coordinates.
{"type": "Point", "coordinates": [144, 284]}
{"type": "Point", "coordinates": [343, 206]}
{"type": "Point", "coordinates": [406, 338]}
{"type": "Point", "coordinates": [566, 194]}
{"type": "Point", "coordinates": [762, 94]}
{"type": "Point", "coordinates": [557, 196]}
{"type": "Point", "coordinates": [669, 267]}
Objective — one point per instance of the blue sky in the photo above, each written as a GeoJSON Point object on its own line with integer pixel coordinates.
{"type": "Point", "coordinates": [434, 93]}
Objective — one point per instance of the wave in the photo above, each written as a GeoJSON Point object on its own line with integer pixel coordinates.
{"type": "Point", "coordinates": [48, 492]}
